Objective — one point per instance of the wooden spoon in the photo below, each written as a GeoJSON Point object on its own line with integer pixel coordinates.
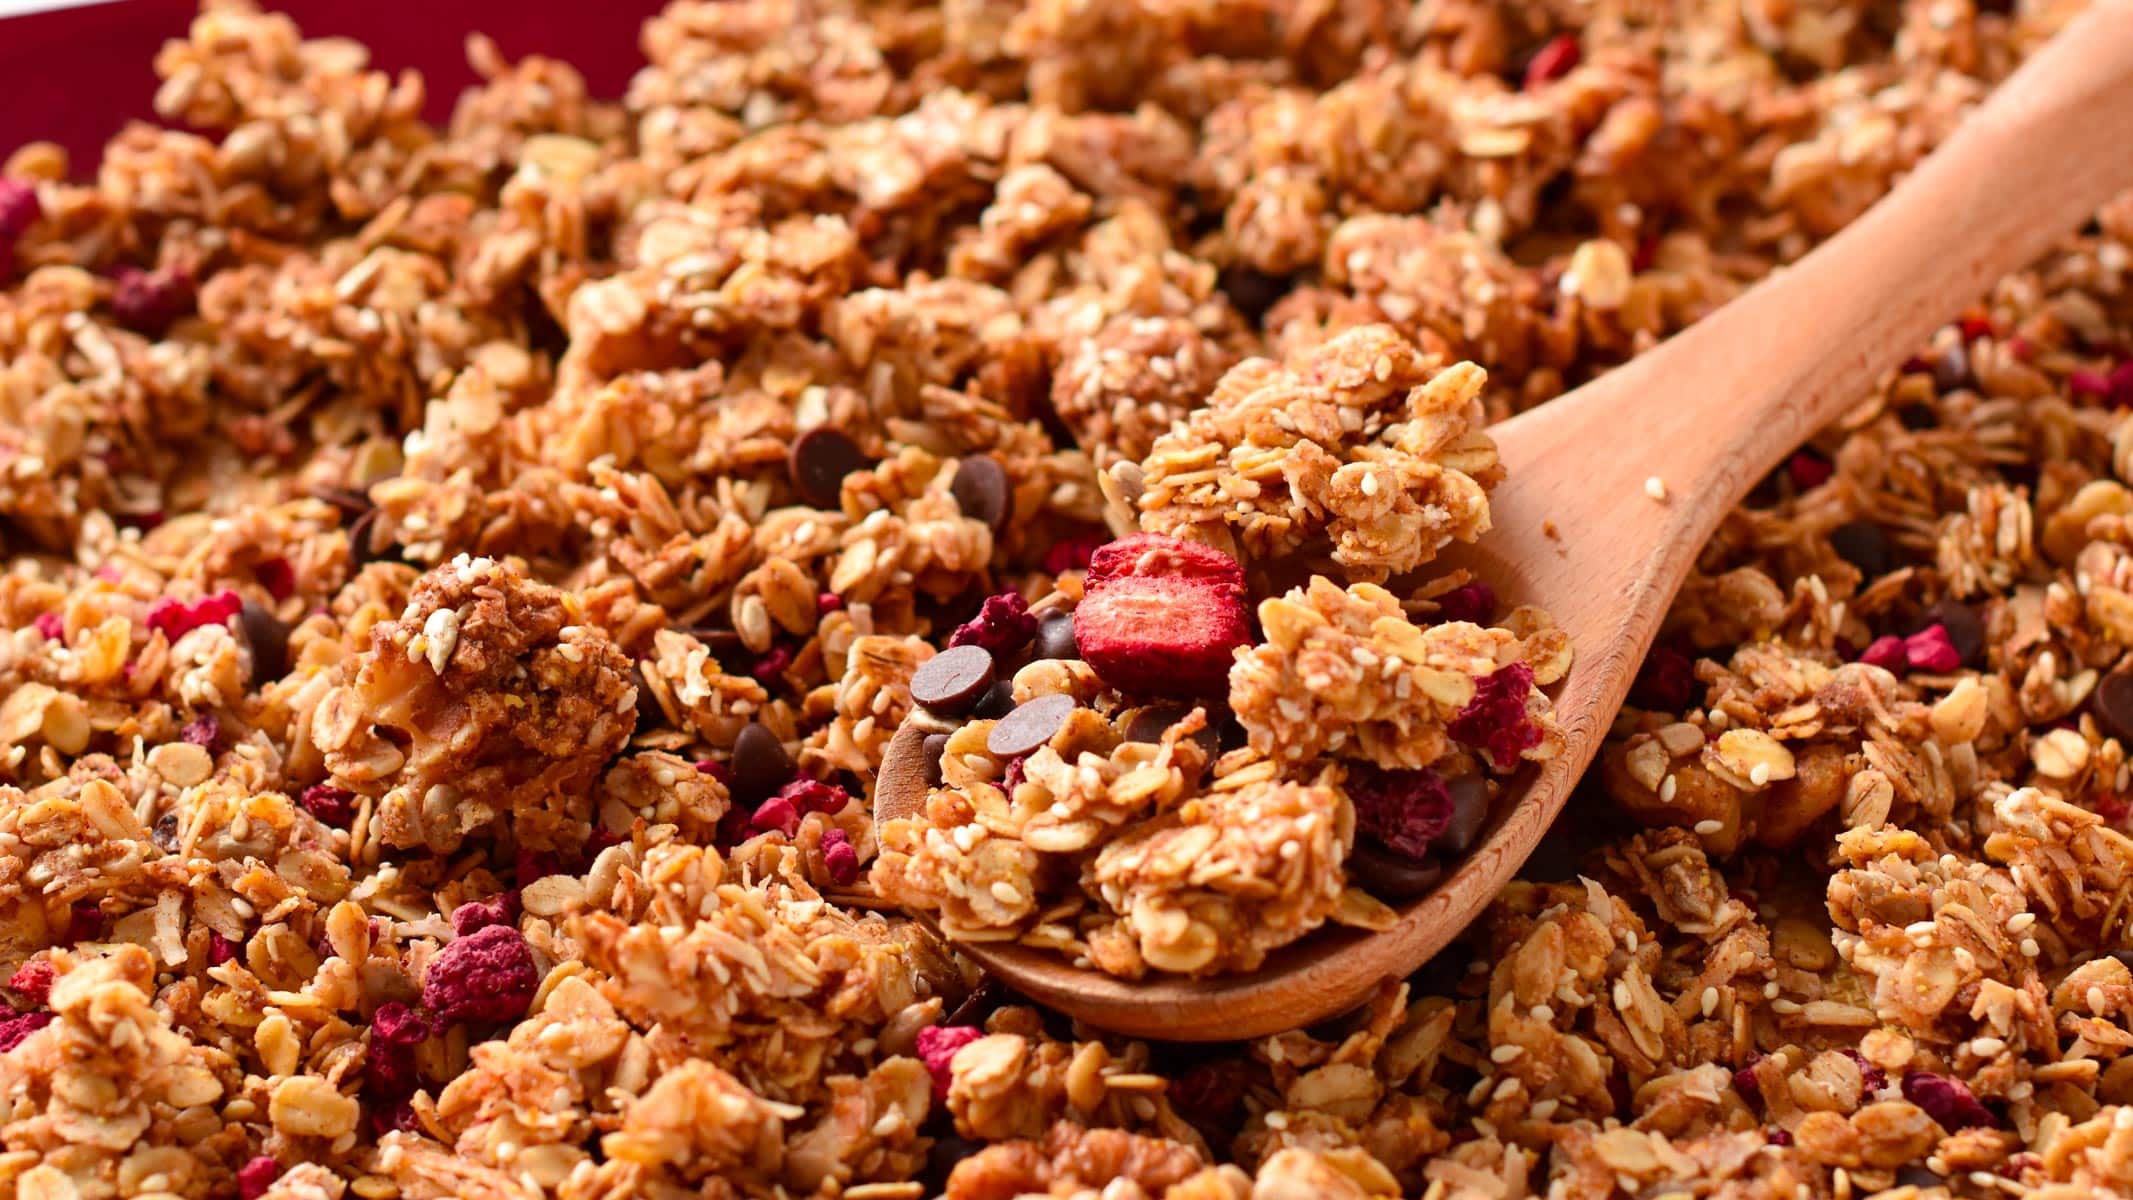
{"type": "Point", "coordinates": [1614, 488]}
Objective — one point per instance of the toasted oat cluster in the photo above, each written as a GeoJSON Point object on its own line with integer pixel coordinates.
{"type": "Point", "coordinates": [461, 581]}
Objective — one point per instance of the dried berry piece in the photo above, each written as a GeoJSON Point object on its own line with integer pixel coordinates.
{"type": "Point", "coordinates": [1162, 617]}
{"type": "Point", "coordinates": [1557, 57]}
{"type": "Point", "coordinates": [840, 858]}
{"type": "Point", "coordinates": [1003, 626]}
{"type": "Point", "coordinates": [1073, 554]}
{"type": "Point", "coordinates": [1495, 721]}
{"type": "Point", "coordinates": [1864, 545]}
{"type": "Point", "coordinates": [814, 796]}
{"type": "Point", "coordinates": [1473, 602]}
{"type": "Point", "coordinates": [486, 976]}
{"type": "Point", "coordinates": [334, 806]}
{"type": "Point", "coordinates": [219, 949]}
{"type": "Point", "coordinates": [256, 1176]}
{"type": "Point", "coordinates": [1930, 650]}
{"type": "Point", "coordinates": [277, 576]}
{"type": "Point", "coordinates": [1666, 682]}
{"type": "Point", "coordinates": [2113, 706]}
{"type": "Point", "coordinates": [390, 1071]}
{"type": "Point", "coordinates": [937, 1046]}
{"type": "Point", "coordinates": [1948, 1101]}
{"type": "Point", "coordinates": [819, 461]}
{"type": "Point", "coordinates": [176, 618]}
{"type": "Point", "coordinates": [1808, 470]}
{"type": "Point", "coordinates": [1964, 628]}
{"type": "Point", "coordinates": [1407, 811]}
{"type": "Point", "coordinates": [760, 764]}
{"type": "Point", "coordinates": [951, 681]}
{"type": "Point", "coordinates": [1392, 876]}
{"type": "Point", "coordinates": [203, 730]}
{"type": "Point", "coordinates": [776, 814]}
{"type": "Point", "coordinates": [1886, 653]}
{"type": "Point", "coordinates": [19, 209]}
{"type": "Point", "coordinates": [150, 302]}
{"type": "Point", "coordinates": [1055, 636]}
{"type": "Point", "coordinates": [1031, 725]}
{"type": "Point", "coordinates": [477, 915]}
{"type": "Point", "coordinates": [981, 489]}
{"type": "Point", "coordinates": [33, 980]}
{"type": "Point", "coordinates": [16, 1029]}
{"type": "Point", "coordinates": [50, 624]}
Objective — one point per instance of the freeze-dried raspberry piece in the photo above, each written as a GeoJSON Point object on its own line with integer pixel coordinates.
{"type": "Point", "coordinates": [1495, 721]}
{"type": "Point", "coordinates": [814, 796]}
{"type": "Point", "coordinates": [277, 576]}
{"type": "Point", "coordinates": [150, 302]}
{"type": "Point", "coordinates": [219, 949]}
{"type": "Point", "coordinates": [1210, 1093]}
{"type": "Point", "coordinates": [1809, 470]}
{"type": "Point", "coordinates": [1159, 556]}
{"type": "Point", "coordinates": [1931, 649]}
{"type": "Point", "coordinates": [1073, 554]}
{"type": "Point", "coordinates": [203, 730]}
{"type": "Point", "coordinates": [839, 856]}
{"type": "Point", "coordinates": [1557, 58]}
{"type": "Point", "coordinates": [1884, 652]}
{"type": "Point", "coordinates": [85, 922]}
{"type": "Point", "coordinates": [50, 624]}
{"type": "Point", "coordinates": [1873, 1078]}
{"type": "Point", "coordinates": [485, 976]}
{"type": "Point", "coordinates": [1948, 1101]}
{"type": "Point", "coordinates": [1162, 617]}
{"type": "Point", "coordinates": [1744, 1080]}
{"type": "Point", "coordinates": [1003, 625]}
{"type": "Point", "coordinates": [766, 669]}
{"type": "Point", "coordinates": [937, 1045]}
{"type": "Point", "coordinates": [19, 209]}
{"type": "Point", "coordinates": [1474, 603]}
{"type": "Point", "coordinates": [389, 1070]}
{"type": "Point", "coordinates": [332, 805]}
{"type": "Point", "coordinates": [1407, 811]}
{"type": "Point", "coordinates": [16, 1029]}
{"type": "Point", "coordinates": [1666, 682]}
{"type": "Point", "coordinates": [398, 1025]}
{"type": "Point", "coordinates": [476, 915]}
{"type": "Point", "coordinates": [779, 813]}
{"type": "Point", "coordinates": [33, 980]}
{"type": "Point", "coordinates": [256, 1176]}
{"type": "Point", "coordinates": [176, 618]}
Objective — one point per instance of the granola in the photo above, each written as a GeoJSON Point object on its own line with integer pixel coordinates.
{"type": "Point", "coordinates": [462, 579]}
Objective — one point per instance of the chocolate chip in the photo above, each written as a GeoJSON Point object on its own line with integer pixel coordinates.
{"type": "Point", "coordinates": [1919, 1177]}
{"type": "Point", "coordinates": [942, 1157]}
{"type": "Point", "coordinates": [1470, 811]}
{"type": "Point", "coordinates": [1951, 369]}
{"type": "Point", "coordinates": [1031, 725]}
{"type": "Point", "coordinates": [1391, 876]}
{"type": "Point", "coordinates": [1055, 636]}
{"type": "Point", "coordinates": [1966, 630]}
{"type": "Point", "coordinates": [981, 490]}
{"type": "Point", "coordinates": [1917, 417]}
{"type": "Point", "coordinates": [1865, 546]}
{"type": "Point", "coordinates": [935, 745]}
{"type": "Point", "coordinates": [997, 702]}
{"type": "Point", "coordinates": [1148, 724]}
{"type": "Point", "coordinates": [2113, 706]}
{"type": "Point", "coordinates": [1253, 292]}
{"type": "Point", "coordinates": [760, 765]}
{"type": "Point", "coordinates": [364, 546]}
{"type": "Point", "coordinates": [269, 640]}
{"type": "Point", "coordinates": [351, 502]}
{"type": "Point", "coordinates": [953, 680]}
{"type": "Point", "coordinates": [649, 714]}
{"type": "Point", "coordinates": [820, 460]}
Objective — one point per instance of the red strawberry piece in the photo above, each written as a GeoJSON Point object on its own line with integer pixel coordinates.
{"type": "Point", "coordinates": [34, 980]}
{"type": "Point", "coordinates": [937, 1046]}
{"type": "Point", "coordinates": [1161, 617]}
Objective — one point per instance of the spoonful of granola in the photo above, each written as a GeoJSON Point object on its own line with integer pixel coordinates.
{"type": "Point", "coordinates": [1283, 740]}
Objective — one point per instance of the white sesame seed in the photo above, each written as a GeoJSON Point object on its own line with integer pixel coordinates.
{"type": "Point", "coordinates": [1655, 487]}
{"type": "Point", "coordinates": [1504, 1054]}
{"type": "Point", "coordinates": [1709, 827]}
{"type": "Point", "coordinates": [1709, 1001]}
{"type": "Point", "coordinates": [2021, 921]}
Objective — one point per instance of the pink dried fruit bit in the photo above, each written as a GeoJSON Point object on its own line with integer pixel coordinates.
{"type": "Point", "coordinates": [1474, 603]}
{"type": "Point", "coordinates": [256, 1176]}
{"type": "Point", "coordinates": [766, 669]}
{"type": "Point", "coordinates": [1162, 617]}
{"type": "Point", "coordinates": [814, 796]}
{"type": "Point", "coordinates": [1666, 682]}
{"type": "Point", "coordinates": [827, 603]}
{"type": "Point", "coordinates": [33, 980]}
{"type": "Point", "coordinates": [1073, 554]}
{"type": "Point", "coordinates": [476, 915]}
{"type": "Point", "coordinates": [776, 813]}
{"type": "Point", "coordinates": [17, 1029]}
{"type": "Point", "coordinates": [396, 1024]}
{"type": "Point", "coordinates": [203, 730]}
{"type": "Point", "coordinates": [840, 858]}
{"type": "Point", "coordinates": [1555, 59]}
{"type": "Point", "coordinates": [1405, 810]}
{"type": "Point", "coordinates": [486, 976]}
{"type": "Point", "coordinates": [176, 618]}
{"type": "Point", "coordinates": [937, 1046]}
{"type": "Point", "coordinates": [219, 949]}
{"type": "Point", "coordinates": [150, 302]}
{"type": "Point", "coordinates": [19, 209]}
{"type": "Point", "coordinates": [1930, 649]}
{"type": "Point", "coordinates": [85, 922]}
{"type": "Point", "coordinates": [51, 625]}
{"type": "Point", "coordinates": [332, 805]}
{"type": "Point", "coordinates": [1495, 721]}
{"type": "Point", "coordinates": [277, 576]}
{"type": "Point", "coordinates": [1948, 1101]}
{"type": "Point", "coordinates": [1884, 652]}
{"type": "Point", "coordinates": [390, 1071]}
{"type": "Point", "coordinates": [1211, 1092]}
{"type": "Point", "coordinates": [1809, 470]}
{"type": "Point", "coordinates": [1003, 625]}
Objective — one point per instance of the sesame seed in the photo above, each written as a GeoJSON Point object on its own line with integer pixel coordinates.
{"type": "Point", "coordinates": [1655, 487]}
{"type": "Point", "coordinates": [1708, 827]}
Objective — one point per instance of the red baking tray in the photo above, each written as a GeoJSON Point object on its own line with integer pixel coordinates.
{"type": "Point", "coordinates": [76, 75]}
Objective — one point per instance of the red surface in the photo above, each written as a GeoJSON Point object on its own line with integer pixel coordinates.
{"type": "Point", "coordinates": [76, 76]}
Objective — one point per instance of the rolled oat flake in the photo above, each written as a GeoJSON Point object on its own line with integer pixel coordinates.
{"type": "Point", "coordinates": [1031, 725]}
{"type": "Point", "coordinates": [820, 460]}
{"type": "Point", "coordinates": [953, 680]}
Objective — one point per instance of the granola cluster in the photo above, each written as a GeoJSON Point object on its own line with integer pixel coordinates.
{"type": "Point", "coordinates": [461, 581]}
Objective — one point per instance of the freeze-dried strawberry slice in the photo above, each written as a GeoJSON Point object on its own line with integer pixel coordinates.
{"type": "Point", "coordinates": [1161, 617]}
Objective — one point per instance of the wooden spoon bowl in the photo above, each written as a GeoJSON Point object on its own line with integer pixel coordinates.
{"type": "Point", "coordinates": [1613, 490]}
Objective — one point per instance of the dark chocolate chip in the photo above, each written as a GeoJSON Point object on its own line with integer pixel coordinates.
{"type": "Point", "coordinates": [1966, 630]}
{"type": "Point", "coordinates": [820, 460]}
{"type": "Point", "coordinates": [1031, 725]}
{"type": "Point", "coordinates": [2113, 706]}
{"type": "Point", "coordinates": [1391, 876]}
{"type": "Point", "coordinates": [1470, 811]}
{"type": "Point", "coordinates": [1055, 636]}
{"type": "Point", "coordinates": [760, 765]}
{"type": "Point", "coordinates": [997, 702]}
{"type": "Point", "coordinates": [1864, 545]}
{"type": "Point", "coordinates": [649, 715]}
{"type": "Point", "coordinates": [935, 745]}
{"type": "Point", "coordinates": [953, 680]}
{"type": "Point", "coordinates": [1951, 369]}
{"type": "Point", "coordinates": [364, 545]}
{"type": "Point", "coordinates": [1253, 292]}
{"type": "Point", "coordinates": [1230, 732]}
{"type": "Point", "coordinates": [269, 640]}
{"type": "Point", "coordinates": [981, 490]}
{"type": "Point", "coordinates": [351, 502]}
{"type": "Point", "coordinates": [1919, 1177]}
{"type": "Point", "coordinates": [1917, 417]}
{"type": "Point", "coordinates": [942, 1157]}
{"type": "Point", "coordinates": [1147, 724]}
